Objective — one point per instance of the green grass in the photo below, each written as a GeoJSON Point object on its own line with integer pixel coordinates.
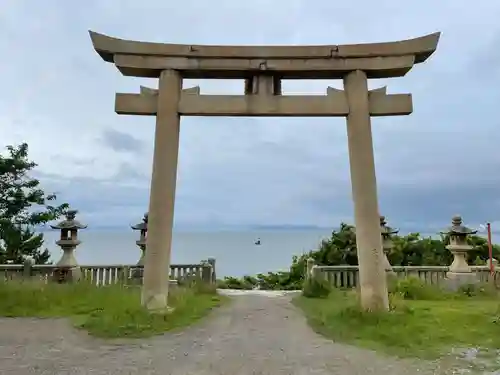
{"type": "Point", "coordinates": [413, 328]}
{"type": "Point", "coordinates": [110, 312]}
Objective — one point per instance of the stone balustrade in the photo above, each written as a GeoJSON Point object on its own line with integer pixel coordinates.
{"type": "Point", "coordinates": [348, 276]}
{"type": "Point", "coordinates": [108, 274]}
{"type": "Point", "coordinates": [451, 277]}
{"type": "Point", "coordinates": [341, 276]}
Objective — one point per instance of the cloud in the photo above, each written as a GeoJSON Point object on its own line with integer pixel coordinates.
{"type": "Point", "coordinates": [119, 141]}
{"type": "Point", "coordinates": [58, 95]}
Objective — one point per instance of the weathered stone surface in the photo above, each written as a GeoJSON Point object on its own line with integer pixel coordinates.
{"type": "Point", "coordinates": [263, 68]}
{"type": "Point", "coordinates": [387, 233]}
{"type": "Point", "coordinates": [379, 60]}
{"type": "Point", "coordinates": [372, 278]}
{"type": "Point", "coordinates": [67, 269]}
{"type": "Point", "coordinates": [460, 272]}
{"type": "Point", "coordinates": [334, 104]}
{"type": "Point", "coordinates": [162, 195]}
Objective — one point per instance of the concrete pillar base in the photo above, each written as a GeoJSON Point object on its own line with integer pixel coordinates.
{"type": "Point", "coordinates": [157, 303]}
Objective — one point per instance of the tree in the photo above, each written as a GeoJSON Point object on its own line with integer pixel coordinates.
{"type": "Point", "coordinates": [411, 249]}
{"type": "Point", "coordinates": [340, 249]}
{"type": "Point", "coordinates": [23, 207]}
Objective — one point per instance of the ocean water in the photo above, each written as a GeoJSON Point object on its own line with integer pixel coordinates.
{"type": "Point", "coordinates": [235, 252]}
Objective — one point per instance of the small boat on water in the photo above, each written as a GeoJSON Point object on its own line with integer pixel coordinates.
{"type": "Point", "coordinates": [257, 242]}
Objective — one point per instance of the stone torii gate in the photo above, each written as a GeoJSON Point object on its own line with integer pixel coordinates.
{"type": "Point", "coordinates": [263, 68]}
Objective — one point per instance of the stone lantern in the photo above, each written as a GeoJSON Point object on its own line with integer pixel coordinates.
{"type": "Point", "coordinates": [137, 273]}
{"type": "Point", "coordinates": [459, 272]}
{"type": "Point", "coordinates": [141, 242]}
{"type": "Point", "coordinates": [67, 268]}
{"type": "Point", "coordinates": [387, 233]}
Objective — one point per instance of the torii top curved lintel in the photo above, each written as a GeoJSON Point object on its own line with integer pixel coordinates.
{"type": "Point", "coordinates": [421, 48]}
{"type": "Point", "coordinates": [401, 53]}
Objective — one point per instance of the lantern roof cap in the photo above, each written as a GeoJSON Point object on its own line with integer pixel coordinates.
{"type": "Point", "coordinates": [143, 225]}
{"type": "Point", "coordinates": [385, 229]}
{"type": "Point", "coordinates": [70, 222]}
{"type": "Point", "coordinates": [458, 228]}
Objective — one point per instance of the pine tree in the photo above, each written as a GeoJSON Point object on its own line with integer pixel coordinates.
{"type": "Point", "coordinates": [24, 206]}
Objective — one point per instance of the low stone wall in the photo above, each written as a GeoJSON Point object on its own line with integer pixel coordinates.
{"type": "Point", "coordinates": [348, 276]}
{"type": "Point", "coordinates": [105, 274]}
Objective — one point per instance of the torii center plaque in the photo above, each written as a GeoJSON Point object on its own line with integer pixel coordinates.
{"type": "Point", "coordinates": [263, 68]}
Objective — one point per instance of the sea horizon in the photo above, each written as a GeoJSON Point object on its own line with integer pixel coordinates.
{"type": "Point", "coordinates": [235, 251]}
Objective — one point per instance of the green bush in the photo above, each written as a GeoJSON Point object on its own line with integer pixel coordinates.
{"type": "Point", "coordinates": [234, 283]}
{"type": "Point", "coordinates": [201, 287]}
{"type": "Point", "coordinates": [469, 290]}
{"type": "Point", "coordinates": [221, 284]}
{"type": "Point", "coordinates": [278, 281]}
{"type": "Point", "coordinates": [269, 281]}
{"type": "Point", "coordinates": [477, 290]}
{"type": "Point", "coordinates": [340, 249]}
{"type": "Point", "coordinates": [314, 288]}
{"type": "Point", "coordinates": [398, 304]}
{"type": "Point", "coordinates": [412, 288]}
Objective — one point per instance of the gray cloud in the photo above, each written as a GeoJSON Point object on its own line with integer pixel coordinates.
{"type": "Point", "coordinates": [120, 141]}
{"type": "Point", "coordinates": [439, 161]}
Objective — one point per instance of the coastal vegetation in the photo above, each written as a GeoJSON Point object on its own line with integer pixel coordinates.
{"type": "Point", "coordinates": [110, 311]}
{"type": "Point", "coordinates": [340, 249]}
{"type": "Point", "coordinates": [424, 321]}
{"type": "Point", "coordinates": [24, 206]}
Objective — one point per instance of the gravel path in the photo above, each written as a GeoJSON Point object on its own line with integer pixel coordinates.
{"type": "Point", "coordinates": [254, 334]}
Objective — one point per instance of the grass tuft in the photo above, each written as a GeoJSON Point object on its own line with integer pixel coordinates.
{"type": "Point", "coordinates": [108, 311]}
{"type": "Point", "coordinates": [422, 322]}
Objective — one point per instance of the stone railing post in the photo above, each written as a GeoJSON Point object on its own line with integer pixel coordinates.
{"type": "Point", "coordinates": [206, 272]}
{"type": "Point", "coordinates": [211, 261]}
{"type": "Point", "coordinates": [495, 263]}
{"type": "Point", "coordinates": [309, 267]}
{"type": "Point", "coordinates": [315, 273]}
{"type": "Point", "coordinates": [124, 274]}
{"type": "Point", "coordinates": [492, 278]}
{"type": "Point", "coordinates": [28, 268]}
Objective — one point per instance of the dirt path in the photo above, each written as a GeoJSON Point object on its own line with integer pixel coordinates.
{"type": "Point", "coordinates": [254, 334]}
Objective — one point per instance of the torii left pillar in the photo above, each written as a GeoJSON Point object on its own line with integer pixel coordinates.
{"type": "Point", "coordinates": [162, 194]}
{"type": "Point", "coordinates": [364, 194]}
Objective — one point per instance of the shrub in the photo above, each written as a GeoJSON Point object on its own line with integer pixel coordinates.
{"type": "Point", "coordinates": [234, 283]}
{"type": "Point", "coordinates": [314, 288]}
{"type": "Point", "coordinates": [469, 290]}
{"type": "Point", "coordinates": [413, 288]}
{"type": "Point", "coordinates": [221, 284]}
{"type": "Point", "coordinates": [477, 289]}
{"type": "Point", "coordinates": [277, 281]}
{"type": "Point", "coordinates": [201, 287]}
{"type": "Point", "coordinates": [398, 304]}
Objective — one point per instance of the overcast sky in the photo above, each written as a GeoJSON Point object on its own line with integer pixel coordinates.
{"type": "Point", "coordinates": [58, 95]}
